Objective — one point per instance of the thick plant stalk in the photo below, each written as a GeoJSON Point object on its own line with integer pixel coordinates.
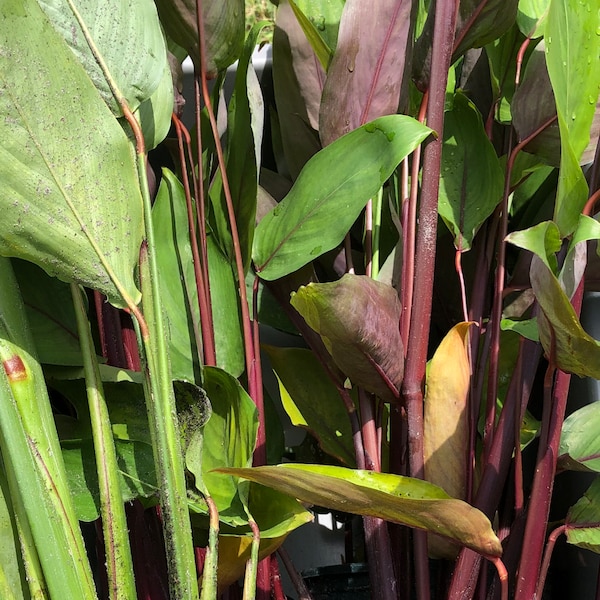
{"type": "Point", "coordinates": [412, 388]}
{"type": "Point", "coordinates": [119, 564]}
{"type": "Point", "coordinates": [162, 413]}
{"type": "Point", "coordinates": [32, 456]}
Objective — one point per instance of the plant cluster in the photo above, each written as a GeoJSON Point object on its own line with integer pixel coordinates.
{"type": "Point", "coordinates": [415, 204]}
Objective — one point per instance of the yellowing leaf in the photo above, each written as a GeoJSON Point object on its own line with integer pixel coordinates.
{"type": "Point", "coordinates": [446, 421]}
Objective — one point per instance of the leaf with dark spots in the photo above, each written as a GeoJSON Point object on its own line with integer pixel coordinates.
{"type": "Point", "coordinates": [365, 76]}
{"type": "Point", "coordinates": [358, 321]}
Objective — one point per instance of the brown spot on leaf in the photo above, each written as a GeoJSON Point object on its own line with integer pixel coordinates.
{"type": "Point", "coordinates": [15, 369]}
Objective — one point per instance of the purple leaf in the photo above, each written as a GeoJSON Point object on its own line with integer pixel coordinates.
{"type": "Point", "coordinates": [358, 320]}
{"type": "Point", "coordinates": [367, 67]}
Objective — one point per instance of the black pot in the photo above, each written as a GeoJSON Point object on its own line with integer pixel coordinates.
{"type": "Point", "coordinates": [339, 582]}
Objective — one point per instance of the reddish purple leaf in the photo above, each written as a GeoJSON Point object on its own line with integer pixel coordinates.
{"type": "Point", "coordinates": [365, 76]}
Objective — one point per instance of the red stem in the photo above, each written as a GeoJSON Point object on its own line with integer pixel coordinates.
{"type": "Point", "coordinates": [207, 350]}
{"type": "Point", "coordinates": [547, 556]}
{"type": "Point", "coordinates": [443, 39]}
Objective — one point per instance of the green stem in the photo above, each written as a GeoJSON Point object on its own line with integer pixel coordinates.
{"type": "Point", "coordinates": [252, 564]}
{"type": "Point", "coordinates": [119, 564]}
{"type": "Point", "coordinates": [209, 575]}
{"type": "Point", "coordinates": [162, 415]}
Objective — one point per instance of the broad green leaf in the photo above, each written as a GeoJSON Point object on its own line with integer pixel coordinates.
{"type": "Point", "coordinates": [398, 499]}
{"type": "Point", "coordinates": [67, 171]}
{"type": "Point", "coordinates": [223, 30]}
{"type": "Point", "coordinates": [365, 77]}
{"type": "Point", "coordinates": [228, 440]}
{"type": "Point", "coordinates": [542, 239]}
{"type": "Point", "coordinates": [446, 428]}
{"type": "Point", "coordinates": [357, 319]}
{"type": "Point", "coordinates": [126, 35]}
{"type": "Point", "coordinates": [471, 181]}
{"type": "Point", "coordinates": [572, 47]}
{"type": "Point", "coordinates": [136, 474]}
{"type": "Point", "coordinates": [583, 520]}
{"type": "Point", "coordinates": [50, 313]}
{"type": "Point", "coordinates": [155, 113]}
{"type": "Point", "coordinates": [527, 328]}
{"type": "Point", "coordinates": [531, 17]}
{"type": "Point", "coordinates": [333, 188]}
{"type": "Point", "coordinates": [178, 288]}
{"type": "Point", "coordinates": [579, 437]}
{"type": "Point", "coordinates": [311, 400]}
{"type": "Point", "coordinates": [561, 332]}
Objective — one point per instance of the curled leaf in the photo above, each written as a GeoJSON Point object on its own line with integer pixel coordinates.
{"type": "Point", "coordinates": [357, 318]}
{"type": "Point", "coordinates": [398, 499]}
{"type": "Point", "coordinates": [446, 425]}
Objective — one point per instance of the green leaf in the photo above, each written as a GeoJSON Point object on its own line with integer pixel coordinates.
{"type": "Point", "coordinates": [155, 113]}
{"type": "Point", "coordinates": [471, 182]}
{"type": "Point", "coordinates": [398, 499]}
{"type": "Point", "coordinates": [583, 520]}
{"type": "Point", "coordinates": [67, 171]}
{"type": "Point", "coordinates": [531, 17]}
{"type": "Point", "coordinates": [357, 319]}
{"type": "Point", "coordinates": [50, 313]}
{"type": "Point", "coordinates": [542, 239]}
{"type": "Point", "coordinates": [311, 400]}
{"type": "Point", "coordinates": [561, 333]}
{"type": "Point", "coordinates": [579, 437]}
{"type": "Point", "coordinates": [572, 46]}
{"type": "Point", "coordinates": [227, 439]}
{"type": "Point", "coordinates": [333, 187]}
{"type": "Point", "coordinates": [312, 30]}
{"type": "Point", "coordinates": [178, 288]}
{"type": "Point", "coordinates": [128, 37]}
{"type": "Point", "coordinates": [136, 474]}
{"type": "Point", "coordinates": [527, 328]}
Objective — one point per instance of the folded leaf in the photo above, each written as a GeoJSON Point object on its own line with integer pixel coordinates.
{"type": "Point", "coordinates": [357, 318]}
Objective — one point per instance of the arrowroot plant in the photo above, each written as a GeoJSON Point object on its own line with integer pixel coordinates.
{"type": "Point", "coordinates": [415, 203]}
